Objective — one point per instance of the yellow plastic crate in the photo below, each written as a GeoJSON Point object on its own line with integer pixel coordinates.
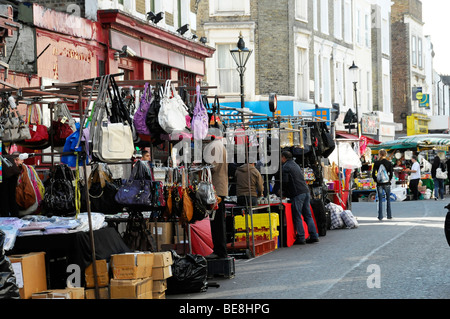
{"type": "Point", "coordinates": [260, 222]}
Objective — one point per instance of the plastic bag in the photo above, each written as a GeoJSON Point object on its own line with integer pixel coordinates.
{"type": "Point", "coordinates": [8, 285]}
{"type": "Point", "coordinates": [189, 274]}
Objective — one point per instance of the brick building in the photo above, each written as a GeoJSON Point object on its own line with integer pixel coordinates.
{"type": "Point", "coordinates": [408, 68]}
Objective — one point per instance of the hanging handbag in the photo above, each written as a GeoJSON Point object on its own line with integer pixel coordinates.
{"type": "Point", "coordinates": [152, 117]}
{"type": "Point", "coordinates": [25, 193]}
{"type": "Point", "coordinates": [139, 119]}
{"type": "Point", "coordinates": [39, 138]}
{"type": "Point", "coordinates": [215, 120]}
{"type": "Point", "coordinates": [11, 132]}
{"type": "Point", "coordinates": [102, 190]}
{"type": "Point", "coordinates": [62, 125]}
{"type": "Point", "coordinates": [136, 191]}
{"type": "Point", "coordinates": [205, 189]}
{"type": "Point", "coordinates": [200, 118]}
{"type": "Point", "coordinates": [188, 208]}
{"type": "Point", "coordinates": [177, 198]}
{"type": "Point", "coordinates": [173, 113]}
{"type": "Point", "coordinates": [59, 196]}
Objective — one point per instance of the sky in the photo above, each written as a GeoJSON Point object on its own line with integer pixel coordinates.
{"type": "Point", "coordinates": [436, 16]}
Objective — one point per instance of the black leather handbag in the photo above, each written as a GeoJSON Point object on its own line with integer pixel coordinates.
{"type": "Point", "coordinates": [59, 198]}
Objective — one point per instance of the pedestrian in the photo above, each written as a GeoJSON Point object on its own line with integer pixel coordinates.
{"type": "Point", "coordinates": [414, 177]}
{"type": "Point", "coordinates": [296, 189]}
{"type": "Point", "coordinates": [382, 174]}
{"type": "Point", "coordinates": [438, 180]}
{"type": "Point", "coordinates": [145, 156]}
{"type": "Point", "coordinates": [248, 189]}
{"type": "Point", "coordinates": [218, 158]}
{"type": "Point", "coordinates": [400, 172]}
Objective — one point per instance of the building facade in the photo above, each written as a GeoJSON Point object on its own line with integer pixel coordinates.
{"type": "Point", "coordinates": [302, 51]}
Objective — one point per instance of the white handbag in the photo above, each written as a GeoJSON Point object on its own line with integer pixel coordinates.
{"type": "Point", "coordinates": [173, 112]}
{"type": "Point", "coordinates": [116, 142]}
{"type": "Point", "coordinates": [441, 174]}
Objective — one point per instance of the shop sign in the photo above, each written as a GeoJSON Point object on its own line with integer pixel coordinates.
{"type": "Point", "coordinates": [417, 93]}
{"type": "Point", "coordinates": [370, 124]}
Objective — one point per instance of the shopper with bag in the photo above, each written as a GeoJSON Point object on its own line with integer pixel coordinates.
{"type": "Point", "coordinates": [295, 187]}
{"type": "Point", "coordinates": [382, 174]}
{"type": "Point", "coordinates": [439, 174]}
{"type": "Point", "coordinates": [414, 178]}
{"type": "Point", "coordinates": [218, 158]}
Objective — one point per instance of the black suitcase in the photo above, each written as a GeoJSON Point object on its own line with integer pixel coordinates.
{"type": "Point", "coordinates": [320, 213]}
{"type": "Point", "coordinates": [223, 267]}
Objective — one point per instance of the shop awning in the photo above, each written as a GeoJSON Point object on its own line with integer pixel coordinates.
{"type": "Point", "coordinates": [370, 141]}
{"type": "Point", "coordinates": [416, 141]}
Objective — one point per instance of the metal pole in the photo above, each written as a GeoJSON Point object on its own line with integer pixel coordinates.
{"type": "Point", "coordinates": [88, 203]}
{"type": "Point", "coordinates": [356, 107]}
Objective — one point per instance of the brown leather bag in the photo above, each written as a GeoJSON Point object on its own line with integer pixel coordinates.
{"type": "Point", "coordinates": [25, 194]}
{"type": "Point", "coordinates": [188, 206]}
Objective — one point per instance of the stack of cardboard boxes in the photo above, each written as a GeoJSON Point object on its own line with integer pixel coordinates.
{"type": "Point", "coordinates": [102, 280]}
{"type": "Point", "coordinates": [139, 275]}
{"type": "Point", "coordinates": [162, 269]}
{"type": "Point", "coordinates": [132, 276]}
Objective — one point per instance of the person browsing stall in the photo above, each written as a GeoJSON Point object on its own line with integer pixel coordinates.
{"type": "Point", "coordinates": [414, 177]}
{"type": "Point", "coordinates": [382, 174]}
{"type": "Point", "coordinates": [438, 180]}
{"type": "Point", "coordinates": [295, 187]}
{"type": "Point", "coordinates": [248, 192]}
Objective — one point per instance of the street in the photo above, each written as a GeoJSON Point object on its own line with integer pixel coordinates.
{"type": "Point", "coordinates": [407, 257]}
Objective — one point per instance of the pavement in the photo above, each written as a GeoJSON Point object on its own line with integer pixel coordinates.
{"type": "Point", "coordinates": [407, 257]}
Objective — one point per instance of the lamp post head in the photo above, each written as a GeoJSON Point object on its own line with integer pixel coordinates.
{"type": "Point", "coordinates": [354, 72]}
{"type": "Point", "coordinates": [241, 54]}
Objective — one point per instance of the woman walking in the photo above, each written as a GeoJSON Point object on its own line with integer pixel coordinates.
{"type": "Point", "coordinates": [438, 178]}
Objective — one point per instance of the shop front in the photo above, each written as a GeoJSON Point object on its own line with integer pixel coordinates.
{"type": "Point", "coordinates": [417, 124]}
{"type": "Point", "coordinates": [144, 51]}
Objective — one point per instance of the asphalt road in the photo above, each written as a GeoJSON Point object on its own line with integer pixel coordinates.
{"type": "Point", "coordinates": [407, 257]}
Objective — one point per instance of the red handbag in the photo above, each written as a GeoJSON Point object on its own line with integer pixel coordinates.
{"type": "Point", "coordinates": [38, 132]}
{"type": "Point", "coordinates": [61, 131]}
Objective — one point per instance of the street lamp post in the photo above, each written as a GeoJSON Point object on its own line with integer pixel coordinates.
{"type": "Point", "coordinates": [354, 75]}
{"type": "Point", "coordinates": [241, 54]}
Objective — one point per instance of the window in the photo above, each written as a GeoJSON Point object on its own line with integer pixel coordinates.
{"type": "Point", "coordinates": [230, 5]}
{"type": "Point", "coordinates": [419, 53]}
{"type": "Point", "coordinates": [302, 80]}
{"type": "Point", "coordinates": [160, 72]}
{"type": "Point", "coordinates": [229, 81]}
{"type": "Point", "coordinates": [367, 30]}
{"type": "Point", "coordinates": [348, 21]}
{"type": "Point", "coordinates": [338, 19]}
{"type": "Point", "coordinates": [414, 50]}
{"type": "Point", "coordinates": [326, 75]}
{"type": "Point", "coordinates": [315, 14]}
{"type": "Point", "coordinates": [324, 16]}
{"type": "Point", "coordinates": [385, 44]}
{"type": "Point", "coordinates": [368, 87]}
{"type": "Point", "coordinates": [301, 10]}
{"type": "Point", "coordinates": [358, 27]}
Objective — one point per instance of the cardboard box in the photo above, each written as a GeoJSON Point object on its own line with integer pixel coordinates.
{"type": "Point", "coordinates": [162, 259]}
{"type": "Point", "coordinates": [30, 273]}
{"type": "Point", "coordinates": [102, 274]}
{"type": "Point", "coordinates": [162, 233]}
{"type": "Point", "coordinates": [159, 295]}
{"type": "Point", "coordinates": [159, 285]}
{"type": "Point", "coordinates": [103, 293]}
{"type": "Point", "coordinates": [161, 273]}
{"type": "Point", "coordinates": [132, 265]}
{"type": "Point", "coordinates": [131, 288]}
{"type": "Point", "coordinates": [68, 293]}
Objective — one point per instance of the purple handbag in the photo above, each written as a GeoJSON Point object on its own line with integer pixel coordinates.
{"type": "Point", "coordinates": [137, 190]}
{"type": "Point", "coordinates": [200, 119]}
{"type": "Point", "coordinates": [141, 113]}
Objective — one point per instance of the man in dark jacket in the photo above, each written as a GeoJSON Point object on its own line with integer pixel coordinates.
{"type": "Point", "coordinates": [383, 183]}
{"type": "Point", "coordinates": [295, 187]}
